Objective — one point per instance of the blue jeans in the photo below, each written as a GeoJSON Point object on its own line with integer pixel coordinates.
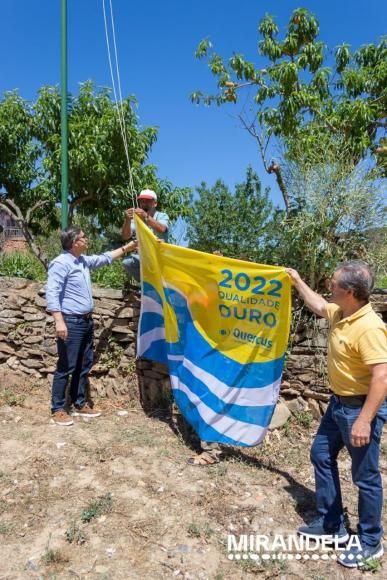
{"type": "Point", "coordinates": [334, 434]}
{"type": "Point", "coordinates": [132, 266]}
{"type": "Point", "coordinates": [75, 360]}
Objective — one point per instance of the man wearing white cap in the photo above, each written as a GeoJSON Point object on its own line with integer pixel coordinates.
{"type": "Point", "coordinates": [157, 221]}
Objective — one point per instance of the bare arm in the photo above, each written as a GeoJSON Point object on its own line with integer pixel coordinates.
{"type": "Point", "coordinates": [361, 429]}
{"type": "Point", "coordinates": [127, 226]}
{"type": "Point", "coordinates": [155, 225]}
{"type": "Point", "coordinates": [124, 250]}
{"type": "Point", "coordinates": [314, 301]}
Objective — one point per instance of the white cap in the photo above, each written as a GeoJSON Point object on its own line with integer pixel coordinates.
{"type": "Point", "coordinates": [147, 194]}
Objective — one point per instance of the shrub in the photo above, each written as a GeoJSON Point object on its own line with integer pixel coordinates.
{"type": "Point", "coordinates": [22, 265]}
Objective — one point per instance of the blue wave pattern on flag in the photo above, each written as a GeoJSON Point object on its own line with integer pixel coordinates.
{"type": "Point", "coordinates": [224, 400]}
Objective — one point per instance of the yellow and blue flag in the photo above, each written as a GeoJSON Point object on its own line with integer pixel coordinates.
{"type": "Point", "coordinates": [221, 326]}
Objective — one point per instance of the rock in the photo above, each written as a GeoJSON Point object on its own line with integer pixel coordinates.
{"type": "Point", "coordinates": [295, 405]}
{"type": "Point", "coordinates": [107, 293]}
{"type": "Point", "coordinates": [308, 394]}
{"type": "Point", "coordinates": [314, 409]}
{"type": "Point", "coordinates": [290, 392]}
{"type": "Point", "coordinates": [33, 339]}
{"type": "Point", "coordinates": [31, 565]}
{"type": "Point", "coordinates": [123, 338]}
{"type": "Point", "coordinates": [32, 363]}
{"type": "Point", "coordinates": [27, 370]}
{"type": "Point", "coordinates": [13, 283]}
{"type": "Point", "coordinates": [50, 350]}
{"type": "Point", "coordinates": [47, 370]}
{"type": "Point", "coordinates": [280, 416]}
{"type": "Point", "coordinates": [13, 362]}
{"type": "Point", "coordinates": [306, 377]}
{"type": "Point", "coordinates": [301, 362]}
{"type": "Point", "coordinates": [130, 351]}
{"type": "Point", "coordinates": [33, 317]}
{"type": "Point", "coordinates": [126, 312]}
{"type": "Point", "coordinates": [6, 348]}
{"type": "Point", "coordinates": [104, 311]}
{"type": "Point", "coordinates": [123, 330]}
{"type": "Point", "coordinates": [11, 321]}
{"type": "Point", "coordinates": [122, 413]}
{"type": "Point", "coordinates": [39, 301]}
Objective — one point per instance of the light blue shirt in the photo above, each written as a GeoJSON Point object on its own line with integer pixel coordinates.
{"type": "Point", "coordinates": [68, 288]}
{"type": "Point", "coordinates": [163, 219]}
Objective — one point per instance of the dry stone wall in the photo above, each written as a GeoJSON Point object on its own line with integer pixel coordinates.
{"type": "Point", "coordinates": [28, 347]}
{"type": "Point", "coordinates": [28, 344]}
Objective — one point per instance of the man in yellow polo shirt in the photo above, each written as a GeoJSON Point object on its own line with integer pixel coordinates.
{"type": "Point", "coordinates": [357, 411]}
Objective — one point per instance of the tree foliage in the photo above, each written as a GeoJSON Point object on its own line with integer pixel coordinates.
{"type": "Point", "coordinates": [334, 209]}
{"type": "Point", "coordinates": [30, 168]}
{"type": "Point", "coordinates": [237, 224]}
{"type": "Point", "coordinates": [298, 98]}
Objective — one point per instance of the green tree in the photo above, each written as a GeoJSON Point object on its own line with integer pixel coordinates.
{"type": "Point", "coordinates": [98, 170]}
{"type": "Point", "coordinates": [237, 224]}
{"type": "Point", "coordinates": [297, 98]}
{"type": "Point", "coordinates": [335, 210]}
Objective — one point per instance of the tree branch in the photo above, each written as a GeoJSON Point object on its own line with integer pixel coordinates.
{"type": "Point", "coordinates": [9, 211]}
{"type": "Point", "coordinates": [275, 168]}
{"type": "Point", "coordinates": [24, 223]}
{"type": "Point", "coordinates": [77, 201]}
{"type": "Point", "coordinates": [31, 210]}
{"type": "Point", "coordinates": [15, 208]}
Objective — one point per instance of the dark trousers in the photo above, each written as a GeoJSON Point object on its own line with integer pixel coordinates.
{"type": "Point", "coordinates": [75, 360]}
{"type": "Point", "coordinates": [334, 434]}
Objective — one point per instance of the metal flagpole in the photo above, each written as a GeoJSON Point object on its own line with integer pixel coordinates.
{"type": "Point", "coordinates": [64, 133]}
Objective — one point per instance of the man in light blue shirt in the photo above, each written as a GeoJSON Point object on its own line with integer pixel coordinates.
{"type": "Point", "coordinates": [70, 301]}
{"type": "Point", "coordinates": [157, 222]}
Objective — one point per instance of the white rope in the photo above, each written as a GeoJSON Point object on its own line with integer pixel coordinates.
{"type": "Point", "coordinates": [118, 101]}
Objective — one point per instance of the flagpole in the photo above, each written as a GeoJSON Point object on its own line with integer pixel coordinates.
{"type": "Point", "coordinates": [64, 132]}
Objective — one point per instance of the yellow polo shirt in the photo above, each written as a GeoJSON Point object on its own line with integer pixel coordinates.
{"type": "Point", "coordinates": [354, 343]}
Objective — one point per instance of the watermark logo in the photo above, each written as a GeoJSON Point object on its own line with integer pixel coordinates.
{"type": "Point", "coordinates": [287, 547]}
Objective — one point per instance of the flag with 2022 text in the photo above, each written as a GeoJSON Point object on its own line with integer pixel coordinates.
{"type": "Point", "coordinates": [221, 326]}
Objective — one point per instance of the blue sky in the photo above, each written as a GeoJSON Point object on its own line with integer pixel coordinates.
{"type": "Point", "coordinates": [156, 44]}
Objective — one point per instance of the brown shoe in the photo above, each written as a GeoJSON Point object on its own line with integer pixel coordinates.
{"type": "Point", "coordinates": [86, 411]}
{"type": "Point", "coordinates": [62, 418]}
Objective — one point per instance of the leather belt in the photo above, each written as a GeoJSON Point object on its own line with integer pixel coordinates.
{"type": "Point", "coordinates": [86, 316]}
{"type": "Point", "coordinates": [353, 400]}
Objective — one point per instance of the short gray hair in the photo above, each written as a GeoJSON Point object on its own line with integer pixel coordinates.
{"type": "Point", "coordinates": [69, 236]}
{"type": "Point", "coordinates": [357, 276]}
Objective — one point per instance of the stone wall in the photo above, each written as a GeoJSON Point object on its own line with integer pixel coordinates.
{"type": "Point", "coordinates": [27, 346]}
{"type": "Point", "coordinates": [305, 383]}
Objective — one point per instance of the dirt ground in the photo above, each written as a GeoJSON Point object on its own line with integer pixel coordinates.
{"type": "Point", "coordinates": [114, 498]}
